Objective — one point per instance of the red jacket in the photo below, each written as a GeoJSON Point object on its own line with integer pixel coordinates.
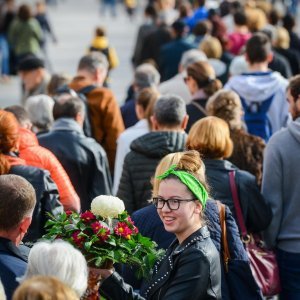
{"type": "Point", "coordinates": [38, 156]}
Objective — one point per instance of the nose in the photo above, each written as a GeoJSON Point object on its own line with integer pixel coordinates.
{"type": "Point", "coordinates": [166, 207]}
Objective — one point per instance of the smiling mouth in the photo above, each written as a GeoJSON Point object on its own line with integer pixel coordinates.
{"type": "Point", "coordinates": [168, 220]}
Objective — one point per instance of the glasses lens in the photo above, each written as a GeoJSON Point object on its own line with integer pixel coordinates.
{"type": "Point", "coordinates": [173, 204]}
{"type": "Point", "coordinates": [158, 203]}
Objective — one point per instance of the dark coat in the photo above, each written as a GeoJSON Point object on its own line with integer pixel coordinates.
{"type": "Point", "coordinates": [194, 112]}
{"type": "Point", "coordinates": [190, 270]}
{"type": "Point", "coordinates": [13, 264]}
{"type": "Point", "coordinates": [257, 214]}
{"type": "Point", "coordinates": [84, 160]}
{"type": "Point", "coordinates": [128, 113]}
{"type": "Point", "coordinates": [170, 56]}
{"type": "Point", "coordinates": [47, 199]}
{"type": "Point", "coordinates": [140, 164]}
{"type": "Point", "coordinates": [292, 57]}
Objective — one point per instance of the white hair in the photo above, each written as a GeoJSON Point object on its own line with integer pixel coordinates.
{"type": "Point", "coordinates": [61, 260]}
{"type": "Point", "coordinates": [40, 109]}
{"type": "Point", "coordinates": [2, 293]}
{"type": "Point", "coordinates": [191, 56]}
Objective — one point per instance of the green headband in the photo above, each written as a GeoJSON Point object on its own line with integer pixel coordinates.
{"type": "Point", "coordinates": [195, 186]}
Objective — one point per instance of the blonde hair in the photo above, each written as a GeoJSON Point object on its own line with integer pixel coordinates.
{"type": "Point", "coordinates": [282, 39]}
{"type": "Point", "coordinates": [256, 19]}
{"type": "Point", "coordinates": [227, 106]}
{"type": "Point", "coordinates": [188, 160]}
{"type": "Point", "coordinates": [212, 47]}
{"type": "Point", "coordinates": [211, 137]}
{"type": "Point", "coordinates": [44, 288]}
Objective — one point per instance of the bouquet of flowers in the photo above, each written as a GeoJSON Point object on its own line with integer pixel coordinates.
{"type": "Point", "coordinates": [105, 235]}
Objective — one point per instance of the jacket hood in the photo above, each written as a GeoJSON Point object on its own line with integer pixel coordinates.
{"type": "Point", "coordinates": [100, 42]}
{"type": "Point", "coordinates": [157, 144]}
{"type": "Point", "coordinates": [27, 139]}
{"type": "Point", "coordinates": [294, 129]}
{"type": "Point", "coordinates": [257, 86]}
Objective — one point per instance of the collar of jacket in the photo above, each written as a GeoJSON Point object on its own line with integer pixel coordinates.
{"type": "Point", "coordinates": [7, 245]}
{"type": "Point", "coordinates": [219, 164]}
{"type": "Point", "coordinates": [67, 124]}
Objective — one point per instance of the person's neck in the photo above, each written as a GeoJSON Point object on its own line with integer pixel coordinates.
{"type": "Point", "coordinates": [241, 29]}
{"type": "Point", "coordinates": [258, 67]}
{"type": "Point", "coordinates": [182, 236]}
{"type": "Point", "coordinates": [12, 236]}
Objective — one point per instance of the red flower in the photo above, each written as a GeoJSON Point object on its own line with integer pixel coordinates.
{"type": "Point", "coordinates": [123, 230]}
{"type": "Point", "coordinates": [101, 231]}
{"type": "Point", "coordinates": [134, 229]}
{"type": "Point", "coordinates": [87, 216]}
{"type": "Point", "coordinates": [68, 212]}
{"type": "Point", "coordinates": [78, 240]}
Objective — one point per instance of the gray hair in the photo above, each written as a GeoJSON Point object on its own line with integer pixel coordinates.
{"type": "Point", "coordinates": [61, 260]}
{"type": "Point", "coordinates": [40, 109]}
{"type": "Point", "coordinates": [2, 293]}
{"type": "Point", "coordinates": [146, 76]}
{"type": "Point", "coordinates": [93, 61]}
{"type": "Point", "coordinates": [170, 110]}
{"type": "Point", "coordinates": [191, 56]}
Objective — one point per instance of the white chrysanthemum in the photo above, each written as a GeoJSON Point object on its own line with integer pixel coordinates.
{"type": "Point", "coordinates": [107, 206]}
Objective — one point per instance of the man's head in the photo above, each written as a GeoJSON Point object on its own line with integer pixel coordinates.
{"type": "Point", "coordinates": [179, 29]}
{"type": "Point", "coordinates": [259, 49]}
{"type": "Point", "coordinates": [94, 67]}
{"type": "Point", "coordinates": [169, 114]}
{"type": "Point", "coordinates": [21, 115]}
{"type": "Point", "coordinates": [189, 57]}
{"type": "Point", "coordinates": [32, 72]}
{"type": "Point", "coordinates": [17, 202]}
{"type": "Point", "coordinates": [145, 76]}
{"type": "Point", "coordinates": [293, 96]}
{"type": "Point", "coordinates": [68, 106]}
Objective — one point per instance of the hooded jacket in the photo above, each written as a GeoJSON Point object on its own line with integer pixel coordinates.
{"type": "Point", "coordinates": [281, 188]}
{"type": "Point", "coordinates": [40, 157]}
{"type": "Point", "coordinates": [140, 164]}
{"type": "Point", "coordinates": [257, 87]}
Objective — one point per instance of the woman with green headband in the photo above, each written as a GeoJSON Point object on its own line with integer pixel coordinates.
{"type": "Point", "coordinates": [190, 268]}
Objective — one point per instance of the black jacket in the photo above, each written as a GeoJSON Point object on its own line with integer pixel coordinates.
{"type": "Point", "coordinates": [257, 214]}
{"type": "Point", "coordinates": [187, 271]}
{"type": "Point", "coordinates": [194, 112]}
{"type": "Point", "coordinates": [140, 164]}
{"type": "Point", "coordinates": [13, 264]}
{"type": "Point", "coordinates": [47, 198]}
{"type": "Point", "coordinates": [84, 160]}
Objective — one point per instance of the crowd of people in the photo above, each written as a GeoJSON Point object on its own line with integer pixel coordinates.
{"type": "Point", "coordinates": [214, 98]}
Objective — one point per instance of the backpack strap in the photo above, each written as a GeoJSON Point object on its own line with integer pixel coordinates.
{"type": "Point", "coordinates": [257, 106]}
{"type": "Point", "coordinates": [225, 248]}
{"type": "Point", "coordinates": [85, 90]}
{"type": "Point", "coordinates": [200, 107]}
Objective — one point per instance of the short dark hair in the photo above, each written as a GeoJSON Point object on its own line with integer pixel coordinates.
{"type": "Point", "coordinates": [294, 87]}
{"type": "Point", "coordinates": [170, 110]}
{"type": "Point", "coordinates": [67, 106]}
{"type": "Point", "coordinates": [20, 113]}
{"type": "Point", "coordinates": [17, 200]}
{"type": "Point", "coordinates": [258, 48]}
{"type": "Point", "coordinates": [24, 12]}
{"type": "Point", "coordinates": [100, 31]}
{"type": "Point", "coordinates": [202, 28]}
{"type": "Point", "coordinates": [240, 18]}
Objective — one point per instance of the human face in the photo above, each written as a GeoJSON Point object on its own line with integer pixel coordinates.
{"type": "Point", "coordinates": [184, 221]}
{"type": "Point", "coordinates": [31, 79]}
{"type": "Point", "coordinates": [293, 106]}
{"type": "Point", "coordinates": [191, 84]}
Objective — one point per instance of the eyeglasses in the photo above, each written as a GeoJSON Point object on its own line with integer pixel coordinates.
{"type": "Point", "coordinates": [173, 204]}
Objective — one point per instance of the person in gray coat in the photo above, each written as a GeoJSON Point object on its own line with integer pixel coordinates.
{"type": "Point", "coordinates": [281, 188]}
{"type": "Point", "coordinates": [169, 122]}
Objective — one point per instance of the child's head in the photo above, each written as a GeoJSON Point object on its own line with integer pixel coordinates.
{"type": "Point", "coordinates": [100, 31]}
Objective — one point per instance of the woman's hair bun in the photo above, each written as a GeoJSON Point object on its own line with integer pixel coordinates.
{"type": "Point", "coordinates": [190, 161]}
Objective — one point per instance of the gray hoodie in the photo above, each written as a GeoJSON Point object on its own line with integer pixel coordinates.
{"type": "Point", "coordinates": [259, 86]}
{"type": "Point", "coordinates": [281, 188]}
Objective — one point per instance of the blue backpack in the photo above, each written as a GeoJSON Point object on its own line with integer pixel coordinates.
{"type": "Point", "coordinates": [256, 117]}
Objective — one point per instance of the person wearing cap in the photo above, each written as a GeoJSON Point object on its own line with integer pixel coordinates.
{"type": "Point", "coordinates": [170, 53]}
{"type": "Point", "coordinates": [34, 77]}
{"type": "Point", "coordinates": [190, 268]}
{"type": "Point", "coordinates": [176, 84]}
{"type": "Point", "coordinates": [145, 76]}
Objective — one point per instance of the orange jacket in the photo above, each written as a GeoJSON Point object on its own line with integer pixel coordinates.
{"type": "Point", "coordinates": [38, 156]}
{"type": "Point", "coordinates": [105, 116]}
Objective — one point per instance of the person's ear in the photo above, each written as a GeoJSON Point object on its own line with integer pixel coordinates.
{"type": "Point", "coordinates": [79, 118]}
{"type": "Point", "coordinates": [198, 207]}
{"type": "Point", "coordinates": [24, 225]}
{"type": "Point", "coordinates": [154, 123]}
{"type": "Point", "coordinates": [270, 57]}
{"type": "Point", "coordinates": [184, 122]}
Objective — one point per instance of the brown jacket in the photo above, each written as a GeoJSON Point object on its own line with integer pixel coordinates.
{"type": "Point", "coordinates": [105, 116]}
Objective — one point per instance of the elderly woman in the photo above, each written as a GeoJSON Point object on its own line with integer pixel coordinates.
{"type": "Point", "coordinates": [190, 268]}
{"type": "Point", "coordinates": [61, 260]}
{"type": "Point", "coordinates": [248, 149]}
{"type": "Point", "coordinates": [202, 83]}
{"type": "Point", "coordinates": [210, 136]}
